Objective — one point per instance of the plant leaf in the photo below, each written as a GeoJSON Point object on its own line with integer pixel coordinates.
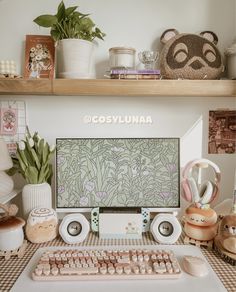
{"type": "Point", "coordinates": [70, 10]}
{"type": "Point", "coordinates": [31, 175]}
{"type": "Point", "coordinates": [46, 20]}
{"type": "Point", "coordinates": [61, 11]}
{"type": "Point", "coordinates": [56, 35]}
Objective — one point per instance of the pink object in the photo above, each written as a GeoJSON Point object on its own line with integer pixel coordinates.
{"type": "Point", "coordinates": [195, 266]}
{"type": "Point", "coordinates": [190, 190]}
{"type": "Point", "coordinates": [9, 119]}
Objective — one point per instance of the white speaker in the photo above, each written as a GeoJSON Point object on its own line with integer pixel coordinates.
{"type": "Point", "coordinates": [74, 228]}
{"type": "Point", "coordinates": [165, 228]}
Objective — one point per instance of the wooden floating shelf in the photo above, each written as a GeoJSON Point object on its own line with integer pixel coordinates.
{"type": "Point", "coordinates": [111, 87]}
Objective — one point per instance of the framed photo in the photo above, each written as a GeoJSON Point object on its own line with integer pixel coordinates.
{"type": "Point", "coordinates": [39, 57]}
{"type": "Point", "coordinates": [222, 132]}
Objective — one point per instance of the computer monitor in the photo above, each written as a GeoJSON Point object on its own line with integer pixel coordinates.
{"type": "Point", "coordinates": [117, 172]}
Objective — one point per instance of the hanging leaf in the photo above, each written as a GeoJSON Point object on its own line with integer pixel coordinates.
{"type": "Point", "coordinates": [46, 20]}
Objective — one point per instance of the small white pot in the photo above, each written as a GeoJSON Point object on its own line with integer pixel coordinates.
{"type": "Point", "coordinates": [35, 196]}
{"type": "Point", "coordinates": [11, 234]}
{"type": "Point", "coordinates": [74, 58]}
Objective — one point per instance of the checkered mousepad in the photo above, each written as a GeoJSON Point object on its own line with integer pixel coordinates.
{"type": "Point", "coordinates": [10, 270]}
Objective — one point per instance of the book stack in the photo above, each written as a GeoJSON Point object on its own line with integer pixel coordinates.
{"type": "Point", "coordinates": [134, 74]}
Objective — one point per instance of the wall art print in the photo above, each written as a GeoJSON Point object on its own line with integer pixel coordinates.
{"type": "Point", "coordinates": [39, 57]}
{"type": "Point", "coordinates": [8, 121]}
{"type": "Point", "coordinates": [222, 132]}
{"type": "Point", "coordinates": [117, 172]}
{"type": "Point", "coordinates": [12, 122]}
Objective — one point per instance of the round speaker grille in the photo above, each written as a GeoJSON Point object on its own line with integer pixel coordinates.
{"type": "Point", "coordinates": [165, 228]}
{"type": "Point", "coordinates": [74, 228]}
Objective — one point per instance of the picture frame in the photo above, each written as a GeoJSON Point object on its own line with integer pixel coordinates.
{"type": "Point", "coordinates": [39, 57]}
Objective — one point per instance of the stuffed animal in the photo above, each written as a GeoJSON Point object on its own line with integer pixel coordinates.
{"type": "Point", "coordinates": [190, 56]}
{"type": "Point", "coordinates": [227, 233]}
{"type": "Point", "coordinates": [42, 225]}
{"type": "Point", "coordinates": [201, 224]}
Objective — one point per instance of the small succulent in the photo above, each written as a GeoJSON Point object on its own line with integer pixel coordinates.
{"type": "Point", "coordinates": [32, 159]}
{"type": "Point", "coordinates": [69, 23]}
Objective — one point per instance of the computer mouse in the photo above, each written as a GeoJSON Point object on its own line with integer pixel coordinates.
{"type": "Point", "coordinates": [195, 266]}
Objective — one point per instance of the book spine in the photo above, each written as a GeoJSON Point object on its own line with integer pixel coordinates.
{"type": "Point", "coordinates": [134, 72]}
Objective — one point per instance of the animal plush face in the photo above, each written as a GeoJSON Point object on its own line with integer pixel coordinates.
{"type": "Point", "coordinates": [200, 217]}
{"type": "Point", "coordinates": [190, 56]}
{"type": "Point", "coordinates": [227, 233]}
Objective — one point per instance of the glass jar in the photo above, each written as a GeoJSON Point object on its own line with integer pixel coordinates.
{"type": "Point", "coordinates": [122, 57]}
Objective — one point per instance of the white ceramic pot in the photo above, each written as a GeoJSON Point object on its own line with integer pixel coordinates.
{"type": "Point", "coordinates": [74, 58]}
{"type": "Point", "coordinates": [35, 196]}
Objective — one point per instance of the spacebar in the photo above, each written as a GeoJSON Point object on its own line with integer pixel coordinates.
{"type": "Point", "coordinates": [78, 271]}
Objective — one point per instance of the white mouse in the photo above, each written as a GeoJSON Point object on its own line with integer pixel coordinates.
{"type": "Point", "coordinates": [195, 266]}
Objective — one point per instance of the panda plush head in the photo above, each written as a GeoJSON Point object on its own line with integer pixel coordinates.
{"type": "Point", "coordinates": [190, 56]}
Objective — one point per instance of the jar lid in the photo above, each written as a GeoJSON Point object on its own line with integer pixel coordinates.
{"type": "Point", "coordinates": [8, 223]}
{"type": "Point", "coordinates": [122, 50]}
{"type": "Point", "coordinates": [231, 50]}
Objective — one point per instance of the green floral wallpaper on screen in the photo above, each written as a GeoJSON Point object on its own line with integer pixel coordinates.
{"type": "Point", "coordinates": [117, 172]}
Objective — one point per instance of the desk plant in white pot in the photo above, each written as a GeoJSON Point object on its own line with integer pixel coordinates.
{"type": "Point", "coordinates": [74, 32]}
{"type": "Point", "coordinates": [33, 162]}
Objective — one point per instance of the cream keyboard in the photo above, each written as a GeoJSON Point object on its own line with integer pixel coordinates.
{"type": "Point", "coordinates": [76, 264]}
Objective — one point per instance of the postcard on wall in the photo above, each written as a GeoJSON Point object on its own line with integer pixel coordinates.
{"type": "Point", "coordinates": [8, 121]}
{"type": "Point", "coordinates": [39, 57]}
{"type": "Point", "coordinates": [12, 122]}
{"type": "Point", "coordinates": [222, 132]}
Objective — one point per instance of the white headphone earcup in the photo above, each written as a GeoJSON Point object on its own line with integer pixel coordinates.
{"type": "Point", "coordinates": [194, 189]}
{"type": "Point", "coordinates": [206, 192]}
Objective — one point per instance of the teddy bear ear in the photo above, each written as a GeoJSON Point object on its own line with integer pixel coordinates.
{"type": "Point", "coordinates": [210, 36]}
{"type": "Point", "coordinates": [168, 34]}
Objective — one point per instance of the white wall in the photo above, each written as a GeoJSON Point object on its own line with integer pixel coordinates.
{"type": "Point", "coordinates": [138, 24]}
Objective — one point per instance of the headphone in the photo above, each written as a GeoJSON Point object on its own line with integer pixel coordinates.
{"type": "Point", "coordinates": [208, 190]}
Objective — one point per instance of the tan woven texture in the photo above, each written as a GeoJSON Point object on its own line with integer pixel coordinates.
{"type": "Point", "coordinates": [10, 270]}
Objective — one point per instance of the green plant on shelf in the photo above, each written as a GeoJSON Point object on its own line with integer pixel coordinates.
{"type": "Point", "coordinates": [69, 23]}
{"type": "Point", "coordinates": [33, 158]}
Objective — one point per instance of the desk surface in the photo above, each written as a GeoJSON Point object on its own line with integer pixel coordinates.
{"type": "Point", "coordinates": [11, 269]}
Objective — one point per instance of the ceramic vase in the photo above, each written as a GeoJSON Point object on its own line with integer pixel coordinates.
{"type": "Point", "coordinates": [74, 58]}
{"type": "Point", "coordinates": [35, 196]}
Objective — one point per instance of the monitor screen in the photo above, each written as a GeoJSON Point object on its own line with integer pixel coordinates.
{"type": "Point", "coordinates": [117, 172]}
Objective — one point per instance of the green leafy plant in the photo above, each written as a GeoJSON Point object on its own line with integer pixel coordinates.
{"type": "Point", "coordinates": [69, 23]}
{"type": "Point", "coordinates": [32, 159]}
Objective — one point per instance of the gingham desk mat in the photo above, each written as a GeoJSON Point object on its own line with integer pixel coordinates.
{"type": "Point", "coordinates": [10, 270]}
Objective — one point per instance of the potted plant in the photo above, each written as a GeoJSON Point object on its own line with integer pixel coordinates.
{"type": "Point", "coordinates": [32, 161]}
{"type": "Point", "coordinates": [74, 32]}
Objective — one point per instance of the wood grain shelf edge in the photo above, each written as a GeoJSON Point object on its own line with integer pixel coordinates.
{"type": "Point", "coordinates": [108, 87]}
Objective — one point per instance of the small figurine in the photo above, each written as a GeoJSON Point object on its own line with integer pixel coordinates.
{"type": "Point", "coordinates": [42, 225]}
